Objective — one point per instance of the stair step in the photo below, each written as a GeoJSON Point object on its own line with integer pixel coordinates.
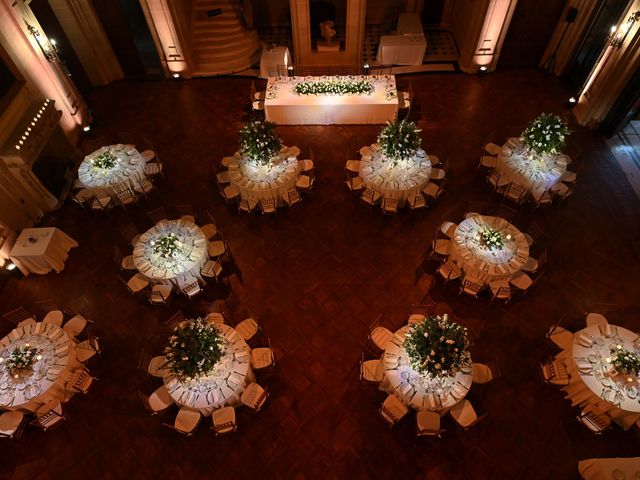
{"type": "Point", "coordinates": [222, 46]}
{"type": "Point", "coordinates": [207, 57]}
{"type": "Point", "coordinates": [214, 38]}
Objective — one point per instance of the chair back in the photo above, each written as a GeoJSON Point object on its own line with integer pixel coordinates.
{"type": "Point", "coordinates": [157, 214]}
{"type": "Point", "coordinates": [129, 232]}
{"type": "Point", "coordinates": [17, 315]}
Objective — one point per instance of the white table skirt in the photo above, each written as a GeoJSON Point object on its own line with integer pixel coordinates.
{"type": "Point", "coordinates": [414, 390]}
{"type": "Point", "coordinates": [536, 174]}
{"type": "Point", "coordinates": [283, 106]}
{"type": "Point", "coordinates": [262, 183]}
{"type": "Point", "coordinates": [127, 173]}
{"type": "Point", "coordinates": [480, 262]}
{"type": "Point", "coordinates": [191, 257]}
{"type": "Point", "coordinates": [400, 181]}
{"type": "Point", "coordinates": [604, 468]}
{"type": "Point", "coordinates": [50, 374]}
{"type": "Point", "coordinates": [222, 387]}
{"type": "Point", "coordinates": [40, 250]}
{"type": "Point", "coordinates": [401, 49]}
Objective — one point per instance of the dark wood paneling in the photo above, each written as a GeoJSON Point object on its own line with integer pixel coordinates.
{"type": "Point", "coordinates": [529, 33]}
{"type": "Point", "coordinates": [53, 29]}
{"type": "Point", "coordinates": [117, 29]}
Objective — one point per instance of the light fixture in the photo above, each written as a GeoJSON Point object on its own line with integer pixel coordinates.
{"type": "Point", "coordinates": [618, 35]}
{"type": "Point", "coordinates": [86, 128]}
{"type": "Point", "coordinates": [49, 54]}
{"type": "Point", "coordinates": [483, 68]}
{"type": "Point", "coordinates": [572, 100]}
{"type": "Point", "coordinates": [176, 75]}
{"type": "Point", "coordinates": [11, 266]}
{"type": "Point", "coordinates": [290, 71]}
{"type": "Point", "coordinates": [366, 68]}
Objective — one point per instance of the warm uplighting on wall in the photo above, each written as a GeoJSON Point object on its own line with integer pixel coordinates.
{"type": "Point", "coordinates": [43, 42]}
{"type": "Point", "coordinates": [619, 34]}
{"type": "Point", "coordinates": [33, 124]}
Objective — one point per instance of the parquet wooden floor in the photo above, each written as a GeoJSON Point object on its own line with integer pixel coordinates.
{"type": "Point", "coordinates": [317, 276]}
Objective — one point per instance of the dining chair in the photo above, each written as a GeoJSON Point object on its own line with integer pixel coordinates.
{"type": "Point", "coordinates": [497, 181]}
{"type": "Point", "coordinates": [254, 396]}
{"type": "Point", "coordinates": [449, 271]}
{"type": "Point", "coordinates": [500, 290]}
{"type": "Point", "coordinates": [515, 193]}
{"type": "Point", "coordinates": [535, 233]}
{"type": "Point", "coordinates": [261, 358]}
{"type": "Point", "coordinates": [437, 174]}
{"type": "Point", "coordinates": [130, 234]}
{"type": "Point", "coordinates": [126, 197]}
{"type": "Point", "coordinates": [521, 281]}
{"type": "Point", "coordinates": [554, 372]}
{"type": "Point", "coordinates": [353, 166]}
{"type": "Point", "coordinates": [101, 203]}
{"type": "Point", "coordinates": [154, 168]}
{"type": "Point", "coordinates": [87, 349]}
{"type": "Point", "coordinates": [471, 286]}
{"type": "Point", "coordinates": [426, 307]}
{"type": "Point", "coordinates": [389, 205]}
{"type": "Point", "coordinates": [212, 269]}
{"type": "Point", "coordinates": [428, 424]}
{"type": "Point", "coordinates": [568, 176]}
{"type": "Point", "coordinates": [209, 226]}
{"type": "Point", "coordinates": [187, 213]}
{"type": "Point", "coordinates": [49, 416]}
{"type": "Point", "coordinates": [137, 283]}
{"type": "Point", "coordinates": [76, 325]}
{"type": "Point", "coordinates": [371, 370]}
{"type": "Point", "coordinates": [224, 420]}
{"type": "Point", "coordinates": [190, 287]}
{"type": "Point", "coordinates": [267, 205]}
{"type": "Point", "coordinates": [123, 262]}
{"type": "Point", "coordinates": [379, 336]}
{"type": "Point", "coordinates": [292, 197]}
{"type": "Point", "coordinates": [159, 401]}
{"type": "Point", "coordinates": [160, 294]}
{"type": "Point", "coordinates": [80, 381]}
{"type": "Point", "coordinates": [174, 321]}
{"type": "Point", "coordinates": [493, 149]}
{"type": "Point", "coordinates": [147, 155]}
{"type": "Point", "coordinates": [488, 162]}
{"type": "Point", "coordinates": [11, 424]}
{"type": "Point", "coordinates": [393, 410]}
{"type": "Point", "coordinates": [157, 214]}
{"type": "Point", "coordinates": [354, 183]}
{"type": "Point", "coordinates": [305, 182]}
{"type": "Point", "coordinates": [541, 198]}
{"type": "Point", "coordinates": [441, 248]}
{"type": "Point", "coordinates": [416, 201]}
{"type": "Point", "coordinates": [369, 197]}
{"type": "Point", "coordinates": [432, 190]}
{"type": "Point", "coordinates": [560, 336]}
{"type": "Point", "coordinates": [481, 373]}
{"type": "Point", "coordinates": [595, 420]}
{"type": "Point", "coordinates": [596, 319]}
{"type": "Point", "coordinates": [506, 212]}
{"type": "Point", "coordinates": [465, 415]}
{"type": "Point", "coordinates": [186, 421]}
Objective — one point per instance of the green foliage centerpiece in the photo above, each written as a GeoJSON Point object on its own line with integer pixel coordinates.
{"type": "Point", "coordinates": [334, 87]}
{"type": "Point", "coordinates": [259, 142]}
{"type": "Point", "coordinates": [399, 140]}
{"type": "Point", "coordinates": [625, 361]}
{"type": "Point", "coordinates": [491, 238]}
{"type": "Point", "coordinates": [166, 245]}
{"type": "Point", "coordinates": [105, 161]}
{"type": "Point", "coordinates": [437, 347]}
{"type": "Point", "coordinates": [546, 134]}
{"type": "Point", "coordinates": [194, 349]}
{"type": "Point", "coordinates": [21, 360]}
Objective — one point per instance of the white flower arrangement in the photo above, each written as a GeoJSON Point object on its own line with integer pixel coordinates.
{"type": "Point", "coordinates": [491, 238]}
{"type": "Point", "coordinates": [166, 245]}
{"type": "Point", "coordinates": [105, 161]}
{"type": "Point", "coordinates": [546, 134]}
{"type": "Point", "coordinates": [399, 140]}
{"type": "Point", "coordinates": [22, 357]}
{"type": "Point", "coordinates": [259, 142]}
{"type": "Point", "coordinates": [334, 87]}
{"type": "Point", "coordinates": [194, 349]}
{"type": "Point", "coordinates": [625, 361]}
{"type": "Point", "coordinates": [437, 347]}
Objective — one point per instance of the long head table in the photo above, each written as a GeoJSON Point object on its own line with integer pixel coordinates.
{"type": "Point", "coordinates": [283, 106]}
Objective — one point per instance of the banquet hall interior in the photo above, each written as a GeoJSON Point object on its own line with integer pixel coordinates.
{"type": "Point", "coordinates": [320, 239]}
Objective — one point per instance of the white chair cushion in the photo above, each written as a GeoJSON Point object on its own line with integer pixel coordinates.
{"type": "Point", "coordinates": [187, 420]}
{"type": "Point", "coordinates": [596, 319]}
{"type": "Point", "coordinates": [9, 422]}
{"type": "Point", "coordinates": [261, 358]}
{"type": "Point", "coordinates": [380, 336]}
{"type": "Point", "coordinates": [209, 230]}
{"type": "Point", "coordinates": [56, 317]}
{"type": "Point", "coordinates": [427, 420]}
{"type": "Point", "coordinates": [155, 368]}
{"type": "Point", "coordinates": [75, 325]}
{"type": "Point", "coordinates": [481, 373]}
{"type": "Point", "coordinates": [372, 371]}
{"type": "Point", "coordinates": [247, 328]}
{"type": "Point", "coordinates": [416, 318]}
{"type": "Point", "coordinates": [493, 149]}
{"type": "Point", "coordinates": [353, 166]}
{"type": "Point", "coordinates": [463, 413]}
{"type": "Point", "coordinates": [216, 248]}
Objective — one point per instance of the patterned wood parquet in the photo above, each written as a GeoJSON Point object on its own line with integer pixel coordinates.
{"type": "Point", "coordinates": [317, 276]}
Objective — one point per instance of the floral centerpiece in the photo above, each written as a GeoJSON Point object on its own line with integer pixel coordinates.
{"type": "Point", "coordinates": [22, 358]}
{"type": "Point", "coordinates": [194, 349]}
{"type": "Point", "coordinates": [166, 245]}
{"type": "Point", "coordinates": [491, 238]}
{"type": "Point", "coordinates": [625, 361]}
{"type": "Point", "coordinates": [334, 87]}
{"type": "Point", "coordinates": [105, 161]}
{"type": "Point", "coordinates": [437, 347]}
{"type": "Point", "coordinates": [546, 134]}
{"type": "Point", "coordinates": [259, 142]}
{"type": "Point", "coordinates": [399, 140]}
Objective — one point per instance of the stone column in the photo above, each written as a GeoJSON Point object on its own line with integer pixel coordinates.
{"type": "Point", "coordinates": [87, 37]}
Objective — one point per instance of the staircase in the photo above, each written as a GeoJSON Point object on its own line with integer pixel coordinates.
{"type": "Point", "coordinates": [222, 44]}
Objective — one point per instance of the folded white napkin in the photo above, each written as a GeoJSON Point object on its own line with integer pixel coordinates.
{"type": "Point", "coordinates": [584, 340]}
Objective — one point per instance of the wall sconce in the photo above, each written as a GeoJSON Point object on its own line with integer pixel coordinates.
{"type": "Point", "coordinates": [49, 54]}
{"type": "Point", "coordinates": [619, 35]}
{"type": "Point", "coordinates": [290, 71]}
{"type": "Point", "coordinates": [366, 68]}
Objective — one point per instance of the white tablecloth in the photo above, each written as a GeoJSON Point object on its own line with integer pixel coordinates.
{"type": "Point", "coordinates": [50, 373]}
{"type": "Point", "coordinates": [40, 250]}
{"type": "Point", "coordinates": [401, 49]}
{"type": "Point", "coordinates": [399, 181]}
{"type": "Point", "coordinates": [224, 385]}
{"type": "Point", "coordinates": [414, 390]}
{"type": "Point", "coordinates": [258, 182]}
{"type": "Point", "coordinates": [479, 261]}
{"type": "Point", "coordinates": [271, 58]}
{"type": "Point", "coordinates": [283, 106]}
{"type": "Point", "coordinates": [611, 389]}
{"type": "Point", "coordinates": [534, 172]}
{"type": "Point", "coordinates": [188, 259]}
{"type": "Point", "coordinates": [610, 468]}
{"type": "Point", "coordinates": [126, 173]}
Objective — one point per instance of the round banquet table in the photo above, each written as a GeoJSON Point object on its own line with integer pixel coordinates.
{"type": "Point", "coordinates": [188, 258]}
{"type": "Point", "coordinates": [126, 173]}
{"type": "Point", "coordinates": [401, 181]}
{"type": "Point", "coordinates": [260, 182]}
{"type": "Point", "coordinates": [479, 261]}
{"type": "Point", "coordinates": [534, 172]}
{"type": "Point", "coordinates": [591, 347]}
{"type": "Point", "coordinates": [224, 385]}
{"type": "Point", "coordinates": [416, 391]}
{"type": "Point", "coordinates": [50, 373]}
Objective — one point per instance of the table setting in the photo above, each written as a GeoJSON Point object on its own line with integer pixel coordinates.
{"type": "Point", "coordinates": [607, 359]}
{"type": "Point", "coordinates": [210, 377]}
{"type": "Point", "coordinates": [35, 361]}
{"type": "Point", "coordinates": [171, 251]}
{"type": "Point", "coordinates": [488, 248]}
{"type": "Point", "coordinates": [110, 169]}
{"type": "Point", "coordinates": [41, 250]}
{"type": "Point", "coordinates": [425, 373]}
